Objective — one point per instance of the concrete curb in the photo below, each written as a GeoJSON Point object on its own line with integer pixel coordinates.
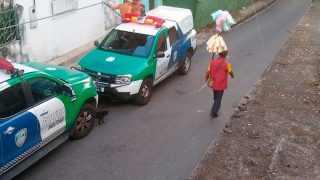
{"type": "Point", "coordinates": [73, 56]}
{"type": "Point", "coordinates": [62, 60]}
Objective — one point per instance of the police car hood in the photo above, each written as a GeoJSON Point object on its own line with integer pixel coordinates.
{"type": "Point", "coordinates": [69, 75]}
{"type": "Point", "coordinates": [112, 63]}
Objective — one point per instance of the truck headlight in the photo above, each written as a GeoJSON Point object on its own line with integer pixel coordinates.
{"type": "Point", "coordinates": [124, 79]}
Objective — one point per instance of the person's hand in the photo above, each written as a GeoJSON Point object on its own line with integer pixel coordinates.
{"type": "Point", "coordinates": [232, 74]}
{"type": "Point", "coordinates": [206, 77]}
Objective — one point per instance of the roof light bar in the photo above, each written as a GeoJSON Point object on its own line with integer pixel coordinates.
{"type": "Point", "coordinates": [155, 21]}
{"type": "Point", "coordinates": [6, 65]}
{"type": "Point", "coordinates": [149, 20]}
{"type": "Point", "coordinates": [131, 17]}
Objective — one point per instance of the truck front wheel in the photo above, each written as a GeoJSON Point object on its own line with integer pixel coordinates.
{"type": "Point", "coordinates": [84, 122]}
{"type": "Point", "coordinates": [145, 91]}
{"type": "Point", "coordinates": [186, 64]}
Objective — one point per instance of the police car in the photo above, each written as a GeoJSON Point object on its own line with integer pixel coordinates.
{"type": "Point", "coordinates": [41, 106]}
{"type": "Point", "coordinates": [141, 52]}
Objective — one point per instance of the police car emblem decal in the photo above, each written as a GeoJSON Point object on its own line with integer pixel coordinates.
{"type": "Point", "coordinates": [21, 137]}
{"type": "Point", "coordinates": [51, 69]}
{"type": "Point", "coordinates": [110, 59]}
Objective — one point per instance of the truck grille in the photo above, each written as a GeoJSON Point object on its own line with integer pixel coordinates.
{"type": "Point", "coordinates": [104, 78]}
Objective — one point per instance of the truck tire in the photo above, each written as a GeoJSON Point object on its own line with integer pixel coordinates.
{"type": "Point", "coordinates": [84, 122]}
{"type": "Point", "coordinates": [186, 64]}
{"type": "Point", "coordinates": [145, 92]}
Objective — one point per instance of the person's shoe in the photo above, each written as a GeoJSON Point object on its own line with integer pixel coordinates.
{"type": "Point", "coordinates": [214, 115]}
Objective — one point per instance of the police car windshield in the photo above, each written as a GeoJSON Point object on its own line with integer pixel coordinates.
{"type": "Point", "coordinates": [128, 43]}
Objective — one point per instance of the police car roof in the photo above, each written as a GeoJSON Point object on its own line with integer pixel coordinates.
{"type": "Point", "coordinates": [4, 76]}
{"type": "Point", "coordinates": [183, 17]}
{"type": "Point", "coordinates": [144, 28]}
{"type": "Point", "coordinates": [138, 28]}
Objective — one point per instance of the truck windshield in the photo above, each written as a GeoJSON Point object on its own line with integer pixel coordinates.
{"type": "Point", "coordinates": [128, 43]}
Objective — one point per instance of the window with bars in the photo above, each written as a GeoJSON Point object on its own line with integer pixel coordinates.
{"type": "Point", "coordinates": [63, 6]}
{"type": "Point", "coordinates": [9, 30]}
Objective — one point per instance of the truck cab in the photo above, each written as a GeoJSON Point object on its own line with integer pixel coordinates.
{"type": "Point", "coordinates": [141, 52]}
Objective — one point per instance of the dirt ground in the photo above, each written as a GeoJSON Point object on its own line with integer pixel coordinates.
{"type": "Point", "coordinates": [275, 134]}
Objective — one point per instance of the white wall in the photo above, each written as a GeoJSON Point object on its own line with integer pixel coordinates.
{"type": "Point", "coordinates": [58, 35]}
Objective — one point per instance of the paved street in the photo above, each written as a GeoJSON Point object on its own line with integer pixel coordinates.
{"type": "Point", "coordinates": [166, 138]}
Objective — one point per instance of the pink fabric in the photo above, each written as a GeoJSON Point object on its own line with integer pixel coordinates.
{"type": "Point", "coordinates": [221, 20]}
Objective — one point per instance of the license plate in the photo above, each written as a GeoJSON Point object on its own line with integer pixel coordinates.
{"type": "Point", "coordinates": [99, 89]}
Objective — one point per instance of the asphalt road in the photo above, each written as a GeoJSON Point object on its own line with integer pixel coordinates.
{"type": "Point", "coordinates": [167, 138]}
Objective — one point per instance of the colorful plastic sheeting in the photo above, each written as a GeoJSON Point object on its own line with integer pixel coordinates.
{"type": "Point", "coordinates": [223, 20]}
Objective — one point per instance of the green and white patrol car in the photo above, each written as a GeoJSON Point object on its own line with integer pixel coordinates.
{"type": "Point", "coordinates": [140, 53]}
{"type": "Point", "coordinates": [41, 106]}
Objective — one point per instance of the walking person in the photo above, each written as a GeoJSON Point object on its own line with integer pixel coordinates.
{"type": "Point", "coordinates": [218, 71]}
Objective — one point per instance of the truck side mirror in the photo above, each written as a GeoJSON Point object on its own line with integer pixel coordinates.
{"type": "Point", "coordinates": [96, 43]}
{"type": "Point", "coordinates": [159, 55]}
{"type": "Point", "coordinates": [67, 91]}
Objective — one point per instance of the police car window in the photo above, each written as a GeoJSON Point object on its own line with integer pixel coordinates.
{"type": "Point", "coordinates": [12, 101]}
{"type": "Point", "coordinates": [161, 44]}
{"type": "Point", "coordinates": [42, 88]}
{"type": "Point", "coordinates": [128, 43]}
{"type": "Point", "coordinates": [173, 35]}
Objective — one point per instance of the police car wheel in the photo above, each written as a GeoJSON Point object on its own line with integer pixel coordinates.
{"type": "Point", "coordinates": [144, 94]}
{"type": "Point", "coordinates": [84, 122]}
{"type": "Point", "coordinates": [184, 68]}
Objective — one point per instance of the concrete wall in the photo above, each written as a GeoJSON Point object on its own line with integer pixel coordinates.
{"type": "Point", "coordinates": [55, 36]}
{"type": "Point", "coordinates": [203, 8]}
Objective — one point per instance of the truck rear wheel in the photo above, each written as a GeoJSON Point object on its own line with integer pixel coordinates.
{"type": "Point", "coordinates": [84, 122]}
{"type": "Point", "coordinates": [186, 64]}
{"type": "Point", "coordinates": [145, 91]}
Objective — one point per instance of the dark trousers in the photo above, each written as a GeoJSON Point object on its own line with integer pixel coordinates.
{"type": "Point", "coordinates": [217, 97]}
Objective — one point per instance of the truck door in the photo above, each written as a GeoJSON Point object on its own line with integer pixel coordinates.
{"type": "Point", "coordinates": [175, 44]}
{"type": "Point", "coordinates": [162, 46]}
{"type": "Point", "coordinates": [19, 127]}
{"type": "Point", "coordinates": [49, 109]}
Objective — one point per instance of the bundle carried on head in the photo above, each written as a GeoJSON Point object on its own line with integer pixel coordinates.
{"type": "Point", "coordinates": [223, 20]}
{"type": "Point", "coordinates": [216, 44]}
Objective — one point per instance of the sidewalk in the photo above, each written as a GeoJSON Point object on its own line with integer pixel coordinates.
{"type": "Point", "coordinates": [240, 16]}
{"type": "Point", "coordinates": [275, 134]}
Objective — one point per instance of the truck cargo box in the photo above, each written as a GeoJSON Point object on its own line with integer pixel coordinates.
{"type": "Point", "coordinates": [183, 17]}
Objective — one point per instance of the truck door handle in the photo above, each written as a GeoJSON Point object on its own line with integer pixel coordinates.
{"type": "Point", "coordinates": [168, 56]}
{"type": "Point", "coordinates": [44, 113]}
{"type": "Point", "coordinates": [9, 130]}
